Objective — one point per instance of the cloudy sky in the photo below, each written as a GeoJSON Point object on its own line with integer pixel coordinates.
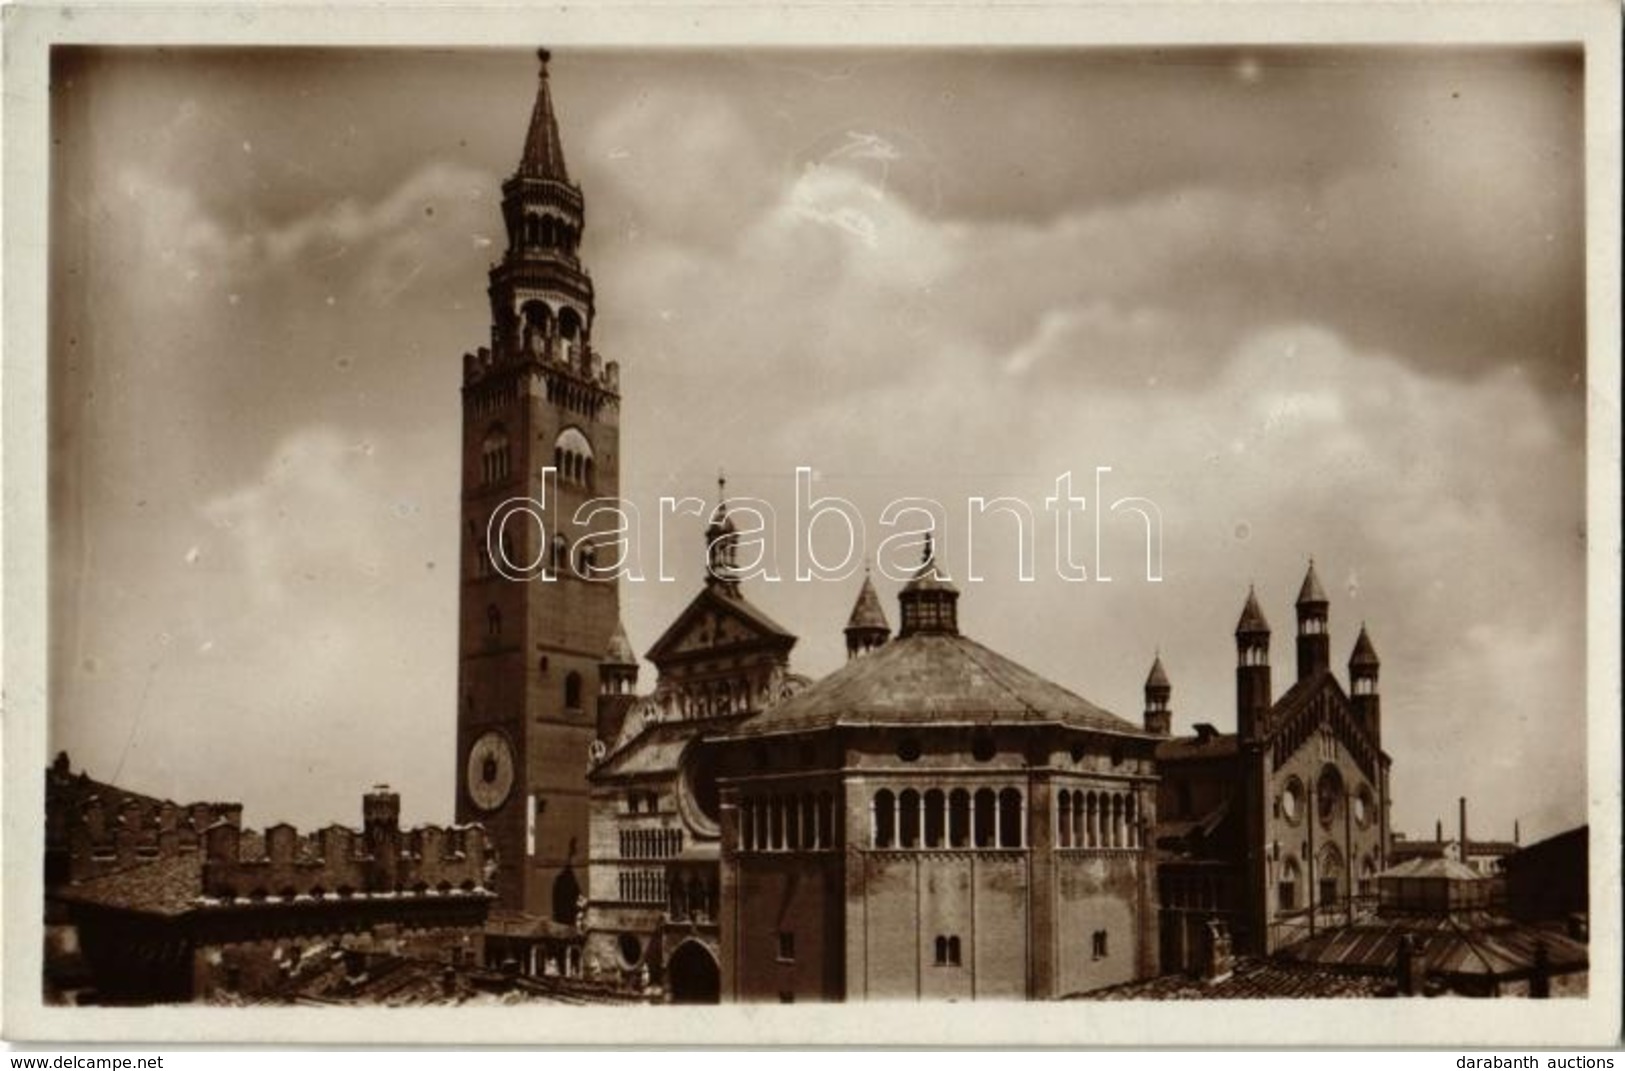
{"type": "Point", "coordinates": [1321, 303]}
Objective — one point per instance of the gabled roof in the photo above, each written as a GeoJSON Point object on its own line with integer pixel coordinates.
{"type": "Point", "coordinates": [933, 679]}
{"type": "Point", "coordinates": [544, 152]}
{"type": "Point", "coordinates": [657, 749]}
{"type": "Point", "coordinates": [1196, 748]}
{"type": "Point", "coordinates": [729, 603]}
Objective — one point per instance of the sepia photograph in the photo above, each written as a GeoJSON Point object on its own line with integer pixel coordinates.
{"type": "Point", "coordinates": [605, 526]}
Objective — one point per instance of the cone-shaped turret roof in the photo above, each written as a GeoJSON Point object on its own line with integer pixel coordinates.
{"type": "Point", "coordinates": [1365, 653]}
{"type": "Point", "coordinates": [1158, 678]}
{"type": "Point", "coordinates": [1252, 618]}
{"type": "Point", "coordinates": [619, 652]}
{"type": "Point", "coordinates": [867, 613]}
{"type": "Point", "coordinates": [1311, 593]}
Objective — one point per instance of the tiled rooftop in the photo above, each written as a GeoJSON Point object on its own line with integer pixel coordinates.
{"type": "Point", "coordinates": [1252, 979]}
{"type": "Point", "coordinates": [933, 678]}
{"type": "Point", "coordinates": [168, 886]}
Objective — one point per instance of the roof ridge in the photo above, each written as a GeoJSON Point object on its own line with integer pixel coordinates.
{"type": "Point", "coordinates": [993, 676]}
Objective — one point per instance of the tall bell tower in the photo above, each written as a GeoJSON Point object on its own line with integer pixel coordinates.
{"type": "Point", "coordinates": [541, 422]}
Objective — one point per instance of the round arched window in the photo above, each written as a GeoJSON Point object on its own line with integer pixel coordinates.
{"type": "Point", "coordinates": [1292, 801]}
{"type": "Point", "coordinates": [631, 950]}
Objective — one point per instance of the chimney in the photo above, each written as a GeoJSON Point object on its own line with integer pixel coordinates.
{"type": "Point", "coordinates": [1438, 830]}
{"type": "Point", "coordinates": [1464, 829]}
{"type": "Point", "coordinates": [1517, 836]}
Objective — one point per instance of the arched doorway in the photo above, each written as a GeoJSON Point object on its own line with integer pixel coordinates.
{"type": "Point", "coordinates": [566, 897]}
{"type": "Point", "coordinates": [693, 975]}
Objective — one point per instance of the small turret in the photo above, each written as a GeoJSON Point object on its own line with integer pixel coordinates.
{"type": "Point", "coordinates": [1158, 718]}
{"type": "Point", "coordinates": [1314, 639]}
{"type": "Point", "coordinates": [381, 828]}
{"type": "Point", "coordinates": [929, 601]}
{"type": "Point", "coordinates": [1364, 666]}
{"type": "Point", "coordinates": [617, 685]}
{"type": "Point", "coordinates": [867, 628]}
{"type": "Point", "coordinates": [1253, 694]}
{"type": "Point", "coordinates": [721, 538]}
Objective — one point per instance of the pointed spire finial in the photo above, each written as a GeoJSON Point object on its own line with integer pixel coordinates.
{"type": "Point", "coordinates": [1252, 620]}
{"type": "Point", "coordinates": [543, 157]}
{"type": "Point", "coordinates": [1311, 593]}
{"type": "Point", "coordinates": [927, 553]}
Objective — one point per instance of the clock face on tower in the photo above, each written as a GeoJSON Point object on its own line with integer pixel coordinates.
{"type": "Point", "coordinates": [490, 771]}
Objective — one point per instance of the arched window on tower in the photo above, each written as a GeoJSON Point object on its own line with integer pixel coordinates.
{"type": "Point", "coordinates": [572, 691]}
{"type": "Point", "coordinates": [572, 456]}
{"type": "Point", "coordinates": [570, 332]}
{"type": "Point", "coordinates": [495, 455]}
{"type": "Point", "coordinates": [493, 621]}
{"type": "Point", "coordinates": [535, 327]}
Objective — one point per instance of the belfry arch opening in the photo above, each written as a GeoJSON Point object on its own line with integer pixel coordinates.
{"type": "Point", "coordinates": [535, 326]}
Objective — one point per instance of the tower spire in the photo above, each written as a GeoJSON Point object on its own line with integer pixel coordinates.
{"type": "Point", "coordinates": [544, 151]}
{"type": "Point", "coordinates": [1158, 718]}
{"type": "Point", "coordinates": [1314, 639]}
{"type": "Point", "coordinates": [1253, 692]}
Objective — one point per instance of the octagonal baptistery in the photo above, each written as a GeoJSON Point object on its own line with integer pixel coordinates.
{"type": "Point", "coordinates": [934, 822]}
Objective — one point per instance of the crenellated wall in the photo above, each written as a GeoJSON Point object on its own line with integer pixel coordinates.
{"type": "Point", "coordinates": [93, 828]}
{"type": "Point", "coordinates": [337, 861]}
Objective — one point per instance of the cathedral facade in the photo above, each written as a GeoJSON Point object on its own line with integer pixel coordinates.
{"type": "Point", "coordinates": [1281, 827]}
